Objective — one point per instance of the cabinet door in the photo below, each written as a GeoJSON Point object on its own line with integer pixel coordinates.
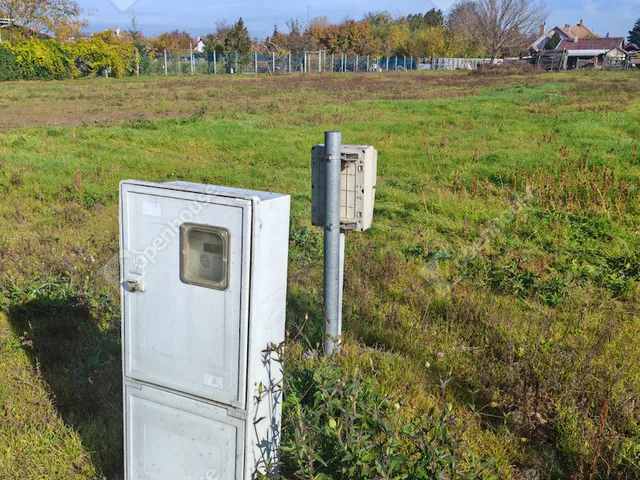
{"type": "Point", "coordinates": [185, 263]}
{"type": "Point", "coordinates": [169, 437]}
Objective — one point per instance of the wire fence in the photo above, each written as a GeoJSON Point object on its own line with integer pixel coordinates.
{"type": "Point", "coordinates": [187, 63]}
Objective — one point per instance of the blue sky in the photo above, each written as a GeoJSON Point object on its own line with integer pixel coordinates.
{"type": "Point", "coordinates": [198, 17]}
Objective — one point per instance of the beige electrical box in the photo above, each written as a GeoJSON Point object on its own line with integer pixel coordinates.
{"type": "Point", "coordinates": [357, 186]}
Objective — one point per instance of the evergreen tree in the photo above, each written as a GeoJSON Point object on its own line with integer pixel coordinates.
{"type": "Point", "coordinates": [238, 39]}
{"type": "Point", "coordinates": [237, 44]}
{"type": "Point", "coordinates": [634, 34]}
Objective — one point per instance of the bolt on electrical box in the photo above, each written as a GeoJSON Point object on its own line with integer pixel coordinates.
{"type": "Point", "coordinates": [357, 186]}
{"type": "Point", "coordinates": [204, 278]}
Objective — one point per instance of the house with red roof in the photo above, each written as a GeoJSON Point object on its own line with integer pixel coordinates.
{"type": "Point", "coordinates": [605, 52]}
{"type": "Point", "coordinates": [563, 48]}
{"type": "Point", "coordinates": [548, 40]}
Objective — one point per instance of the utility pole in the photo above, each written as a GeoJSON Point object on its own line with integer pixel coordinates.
{"type": "Point", "coordinates": [332, 243]}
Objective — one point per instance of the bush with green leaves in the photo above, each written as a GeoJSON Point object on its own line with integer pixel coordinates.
{"type": "Point", "coordinates": [36, 59]}
{"type": "Point", "coordinates": [104, 52]}
{"type": "Point", "coordinates": [9, 66]}
{"type": "Point", "coordinates": [341, 426]}
{"type": "Point", "coordinates": [43, 59]}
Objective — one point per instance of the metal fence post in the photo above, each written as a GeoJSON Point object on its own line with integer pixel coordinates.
{"type": "Point", "coordinates": [367, 63]}
{"type": "Point", "coordinates": [236, 69]}
{"type": "Point", "coordinates": [357, 67]}
{"type": "Point", "coordinates": [333, 68]}
{"type": "Point", "coordinates": [255, 61]}
{"type": "Point", "coordinates": [333, 150]}
{"type": "Point", "coordinates": [387, 64]}
{"type": "Point", "coordinates": [290, 63]}
{"type": "Point", "coordinates": [191, 56]}
{"type": "Point", "coordinates": [215, 67]}
{"type": "Point", "coordinates": [273, 61]}
{"type": "Point", "coordinates": [166, 71]}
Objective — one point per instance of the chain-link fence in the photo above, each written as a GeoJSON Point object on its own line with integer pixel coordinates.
{"type": "Point", "coordinates": [187, 63]}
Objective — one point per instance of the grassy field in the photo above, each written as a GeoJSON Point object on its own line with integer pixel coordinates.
{"type": "Point", "coordinates": [498, 289]}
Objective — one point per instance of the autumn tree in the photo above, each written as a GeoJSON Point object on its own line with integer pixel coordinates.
{"type": "Point", "coordinates": [296, 41]}
{"type": "Point", "coordinates": [502, 25]}
{"type": "Point", "coordinates": [214, 42]}
{"type": "Point", "coordinates": [173, 42]}
{"type": "Point", "coordinates": [428, 42]}
{"type": "Point", "coordinates": [396, 41]}
{"type": "Point", "coordinates": [350, 37]}
{"type": "Point", "coordinates": [60, 18]}
{"type": "Point", "coordinates": [322, 21]}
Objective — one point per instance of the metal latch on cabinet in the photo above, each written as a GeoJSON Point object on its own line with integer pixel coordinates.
{"type": "Point", "coordinates": [133, 286]}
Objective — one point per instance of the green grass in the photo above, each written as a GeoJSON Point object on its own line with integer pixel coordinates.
{"type": "Point", "coordinates": [500, 276]}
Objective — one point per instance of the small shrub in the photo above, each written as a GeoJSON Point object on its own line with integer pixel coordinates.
{"type": "Point", "coordinates": [342, 426]}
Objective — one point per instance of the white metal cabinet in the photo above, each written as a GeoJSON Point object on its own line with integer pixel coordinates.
{"type": "Point", "coordinates": [181, 336]}
{"type": "Point", "coordinates": [203, 297]}
{"type": "Point", "coordinates": [173, 437]}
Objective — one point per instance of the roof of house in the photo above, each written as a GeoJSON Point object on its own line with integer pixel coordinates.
{"type": "Point", "coordinates": [582, 31]}
{"type": "Point", "coordinates": [632, 47]}
{"type": "Point", "coordinates": [567, 32]}
{"type": "Point", "coordinates": [579, 30]}
{"type": "Point", "coordinates": [604, 44]}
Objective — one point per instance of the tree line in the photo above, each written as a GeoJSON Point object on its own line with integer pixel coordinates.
{"type": "Point", "coordinates": [470, 28]}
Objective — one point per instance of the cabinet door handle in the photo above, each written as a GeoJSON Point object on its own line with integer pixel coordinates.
{"type": "Point", "coordinates": [133, 286]}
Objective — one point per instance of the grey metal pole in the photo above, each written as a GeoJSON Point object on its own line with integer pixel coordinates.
{"type": "Point", "coordinates": [333, 148]}
{"type": "Point", "coordinates": [215, 61]}
{"type": "Point", "coordinates": [273, 61]}
{"type": "Point", "coordinates": [255, 61]}
{"type": "Point", "coordinates": [191, 56]}
{"type": "Point", "coordinates": [341, 285]}
{"type": "Point", "coordinates": [236, 70]}
{"type": "Point", "coordinates": [165, 62]}
{"type": "Point", "coordinates": [290, 63]}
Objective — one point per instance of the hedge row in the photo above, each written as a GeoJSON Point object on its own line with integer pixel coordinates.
{"type": "Point", "coordinates": [35, 59]}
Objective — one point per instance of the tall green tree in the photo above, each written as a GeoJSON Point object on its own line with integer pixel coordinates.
{"type": "Point", "coordinates": [238, 39]}
{"type": "Point", "coordinates": [634, 33]}
{"type": "Point", "coordinates": [433, 18]}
